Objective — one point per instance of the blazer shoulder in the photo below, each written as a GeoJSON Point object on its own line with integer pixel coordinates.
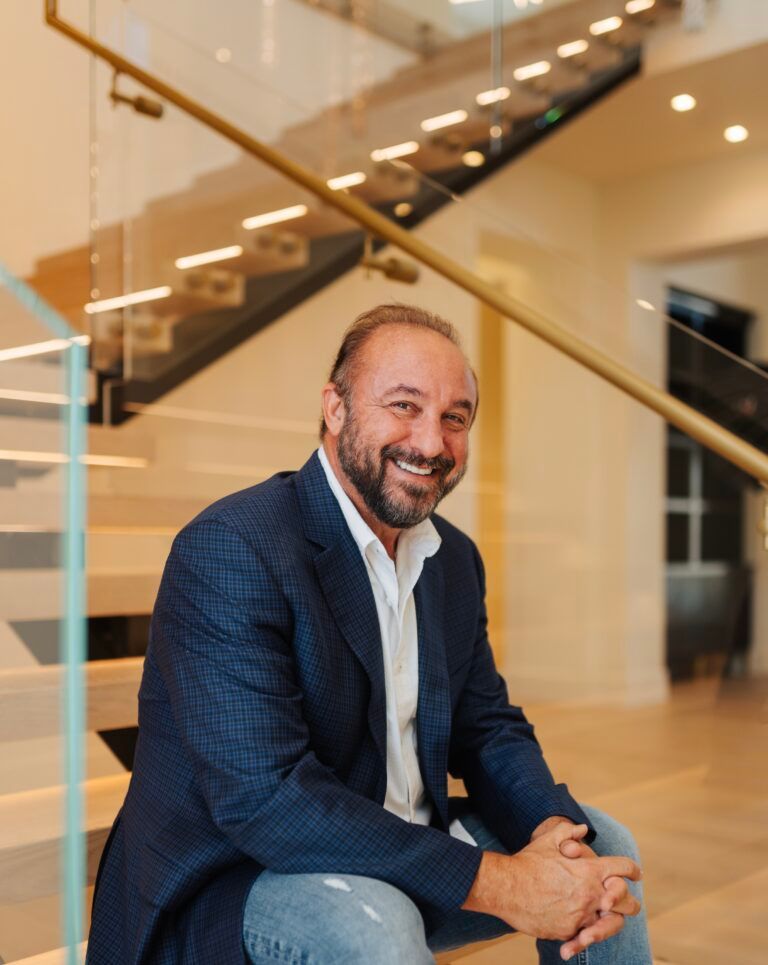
{"type": "Point", "coordinates": [256, 514]}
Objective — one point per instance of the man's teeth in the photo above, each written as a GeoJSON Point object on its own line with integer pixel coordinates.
{"type": "Point", "coordinates": [409, 468]}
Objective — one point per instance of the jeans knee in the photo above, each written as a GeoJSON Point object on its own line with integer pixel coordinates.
{"type": "Point", "coordinates": [612, 836]}
{"type": "Point", "coordinates": [383, 927]}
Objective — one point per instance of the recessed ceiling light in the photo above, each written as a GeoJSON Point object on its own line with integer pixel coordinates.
{"type": "Point", "coordinates": [600, 27]}
{"type": "Point", "coordinates": [646, 305]}
{"type": "Point", "coordinates": [683, 102]}
{"type": "Point", "coordinates": [473, 159]}
{"type": "Point", "coordinates": [403, 209]}
{"type": "Point", "coordinates": [443, 120]}
{"type": "Point", "coordinates": [395, 151]}
{"type": "Point", "coordinates": [638, 6]}
{"type": "Point", "coordinates": [736, 133]}
{"type": "Point", "coordinates": [492, 96]}
{"type": "Point", "coordinates": [495, 130]}
{"type": "Point", "coordinates": [223, 55]}
{"type": "Point", "coordinates": [532, 70]}
{"type": "Point", "coordinates": [572, 49]}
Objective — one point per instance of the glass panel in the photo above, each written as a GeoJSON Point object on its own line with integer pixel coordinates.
{"type": "Point", "coordinates": [42, 412]}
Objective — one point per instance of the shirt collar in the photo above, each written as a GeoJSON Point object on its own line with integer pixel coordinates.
{"type": "Point", "coordinates": [418, 541]}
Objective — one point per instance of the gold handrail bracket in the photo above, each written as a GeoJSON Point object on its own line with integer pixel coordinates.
{"type": "Point", "coordinates": [704, 430]}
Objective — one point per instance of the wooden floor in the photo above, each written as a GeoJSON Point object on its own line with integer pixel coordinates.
{"type": "Point", "coordinates": [690, 779]}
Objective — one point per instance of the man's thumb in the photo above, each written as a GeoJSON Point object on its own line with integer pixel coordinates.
{"type": "Point", "coordinates": [569, 832]}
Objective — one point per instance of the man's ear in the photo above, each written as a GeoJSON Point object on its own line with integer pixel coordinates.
{"type": "Point", "coordinates": [334, 411]}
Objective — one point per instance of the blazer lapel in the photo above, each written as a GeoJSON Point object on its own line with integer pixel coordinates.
{"type": "Point", "coordinates": [344, 581]}
{"type": "Point", "coordinates": [433, 717]}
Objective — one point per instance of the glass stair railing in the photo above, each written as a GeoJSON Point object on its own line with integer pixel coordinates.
{"type": "Point", "coordinates": [43, 389]}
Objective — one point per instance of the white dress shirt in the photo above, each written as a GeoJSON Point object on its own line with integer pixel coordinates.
{"type": "Point", "coordinates": [392, 583]}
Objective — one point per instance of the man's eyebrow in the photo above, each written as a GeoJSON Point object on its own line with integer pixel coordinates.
{"type": "Point", "coordinates": [407, 389]}
{"type": "Point", "coordinates": [412, 390]}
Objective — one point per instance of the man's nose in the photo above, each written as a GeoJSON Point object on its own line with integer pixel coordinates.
{"type": "Point", "coordinates": [427, 437]}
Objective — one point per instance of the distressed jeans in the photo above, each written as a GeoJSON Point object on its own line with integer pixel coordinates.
{"type": "Point", "coordinates": [337, 919]}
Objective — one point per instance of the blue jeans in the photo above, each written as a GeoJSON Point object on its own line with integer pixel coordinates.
{"type": "Point", "coordinates": [329, 919]}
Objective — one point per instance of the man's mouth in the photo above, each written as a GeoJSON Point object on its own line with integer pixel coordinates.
{"type": "Point", "coordinates": [417, 470]}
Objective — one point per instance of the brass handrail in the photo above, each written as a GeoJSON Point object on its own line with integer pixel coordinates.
{"type": "Point", "coordinates": [693, 423]}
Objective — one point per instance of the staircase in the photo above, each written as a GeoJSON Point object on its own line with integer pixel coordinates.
{"type": "Point", "coordinates": [134, 504]}
{"type": "Point", "coordinates": [212, 308]}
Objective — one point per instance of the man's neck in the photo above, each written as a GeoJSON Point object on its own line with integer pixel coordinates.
{"type": "Point", "coordinates": [386, 534]}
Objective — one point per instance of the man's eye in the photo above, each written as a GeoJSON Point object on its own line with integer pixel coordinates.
{"type": "Point", "coordinates": [403, 406]}
{"type": "Point", "coordinates": [458, 420]}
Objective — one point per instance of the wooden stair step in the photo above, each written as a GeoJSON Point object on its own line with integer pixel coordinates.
{"type": "Point", "coordinates": [33, 695]}
{"type": "Point", "coordinates": [31, 835]}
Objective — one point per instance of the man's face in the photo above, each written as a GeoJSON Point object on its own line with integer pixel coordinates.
{"type": "Point", "coordinates": [405, 437]}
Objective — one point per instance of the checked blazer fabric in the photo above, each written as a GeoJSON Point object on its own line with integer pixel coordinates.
{"type": "Point", "coordinates": [262, 730]}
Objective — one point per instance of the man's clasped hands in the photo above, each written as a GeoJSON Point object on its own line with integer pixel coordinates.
{"type": "Point", "coordinates": [557, 888]}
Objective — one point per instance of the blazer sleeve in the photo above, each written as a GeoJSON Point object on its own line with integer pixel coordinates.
{"type": "Point", "coordinates": [494, 749]}
{"type": "Point", "coordinates": [221, 637]}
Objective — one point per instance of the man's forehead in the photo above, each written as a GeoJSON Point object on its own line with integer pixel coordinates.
{"type": "Point", "coordinates": [394, 351]}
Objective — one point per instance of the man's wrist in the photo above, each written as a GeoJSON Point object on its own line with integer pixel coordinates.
{"type": "Point", "coordinates": [492, 875]}
{"type": "Point", "coordinates": [548, 823]}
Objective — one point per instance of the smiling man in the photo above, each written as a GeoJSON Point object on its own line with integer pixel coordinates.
{"type": "Point", "coordinates": [318, 664]}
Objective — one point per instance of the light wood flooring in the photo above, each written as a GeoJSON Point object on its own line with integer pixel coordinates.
{"type": "Point", "coordinates": [690, 778]}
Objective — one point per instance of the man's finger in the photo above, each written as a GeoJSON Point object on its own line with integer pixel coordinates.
{"type": "Point", "coordinates": [616, 890]}
{"type": "Point", "coordinates": [629, 906]}
{"type": "Point", "coordinates": [605, 927]}
{"type": "Point", "coordinates": [623, 867]}
{"type": "Point", "coordinates": [619, 898]}
{"type": "Point", "coordinates": [573, 849]}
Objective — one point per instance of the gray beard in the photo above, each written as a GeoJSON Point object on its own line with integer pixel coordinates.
{"type": "Point", "coordinates": [371, 482]}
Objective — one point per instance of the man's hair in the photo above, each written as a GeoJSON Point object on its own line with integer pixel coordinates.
{"type": "Point", "coordinates": [347, 359]}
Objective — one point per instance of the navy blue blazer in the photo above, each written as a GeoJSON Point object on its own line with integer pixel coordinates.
{"type": "Point", "coordinates": [262, 729]}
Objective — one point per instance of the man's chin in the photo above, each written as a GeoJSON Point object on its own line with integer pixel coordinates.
{"type": "Point", "coordinates": [416, 506]}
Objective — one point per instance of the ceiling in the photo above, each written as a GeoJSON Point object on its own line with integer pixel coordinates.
{"type": "Point", "coordinates": [634, 131]}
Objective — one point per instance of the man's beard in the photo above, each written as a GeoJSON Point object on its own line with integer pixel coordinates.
{"type": "Point", "coordinates": [398, 505]}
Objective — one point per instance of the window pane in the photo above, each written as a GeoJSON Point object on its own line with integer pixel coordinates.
{"type": "Point", "coordinates": [678, 472]}
{"type": "Point", "coordinates": [677, 537]}
{"type": "Point", "coordinates": [721, 537]}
